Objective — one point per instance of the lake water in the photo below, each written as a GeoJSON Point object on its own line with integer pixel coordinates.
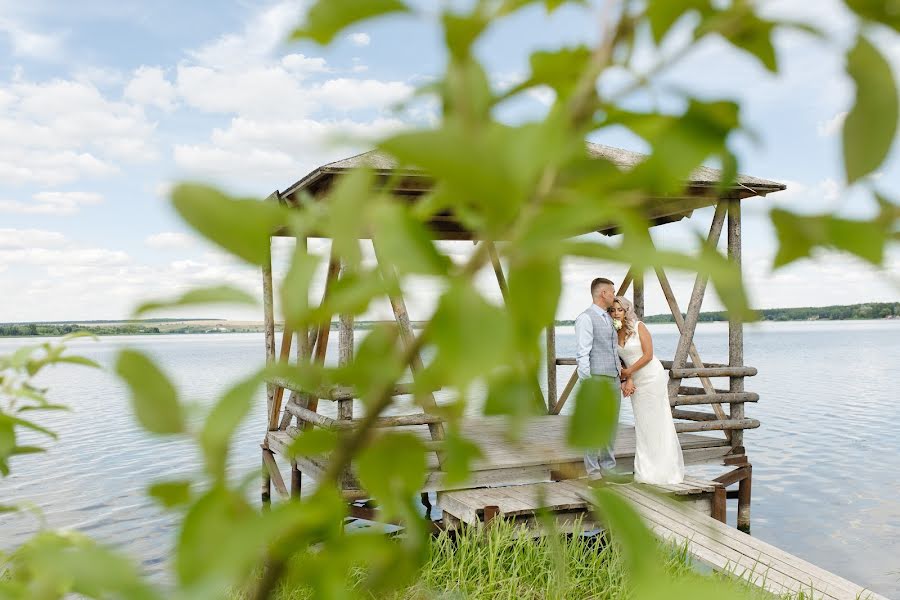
{"type": "Point", "coordinates": [826, 474]}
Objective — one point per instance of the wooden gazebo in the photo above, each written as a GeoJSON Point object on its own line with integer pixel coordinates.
{"type": "Point", "coordinates": [713, 436]}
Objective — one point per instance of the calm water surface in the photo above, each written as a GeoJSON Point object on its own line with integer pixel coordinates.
{"type": "Point", "coordinates": [826, 474]}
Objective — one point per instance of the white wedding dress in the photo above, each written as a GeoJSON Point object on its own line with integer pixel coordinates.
{"type": "Point", "coordinates": [657, 457]}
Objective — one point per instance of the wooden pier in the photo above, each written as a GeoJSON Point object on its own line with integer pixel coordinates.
{"type": "Point", "coordinates": [513, 478]}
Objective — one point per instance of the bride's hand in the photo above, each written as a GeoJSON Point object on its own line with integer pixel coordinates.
{"type": "Point", "coordinates": [624, 374]}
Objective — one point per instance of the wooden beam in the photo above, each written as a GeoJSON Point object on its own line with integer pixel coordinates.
{"type": "Point", "coordinates": [696, 301]}
{"type": "Point", "coordinates": [638, 295]}
{"type": "Point", "coordinates": [269, 325]}
{"type": "Point", "coordinates": [726, 398]}
{"type": "Point", "coordinates": [717, 425]}
{"type": "Point", "coordinates": [345, 352]}
{"type": "Point", "coordinates": [401, 315]}
{"type": "Point", "coordinates": [312, 417]}
{"type": "Point", "coordinates": [692, 349]}
{"type": "Point", "coordinates": [551, 367]}
{"type": "Point", "coordinates": [623, 287]}
{"type": "Point", "coordinates": [334, 265]}
{"type": "Point", "coordinates": [498, 270]}
{"type": "Point", "coordinates": [565, 395]}
{"type": "Point", "coordinates": [693, 415]}
{"type": "Point", "coordinates": [677, 374]}
{"type": "Point", "coordinates": [271, 468]}
{"type": "Point", "coordinates": [286, 337]}
{"type": "Point", "coordinates": [736, 326]}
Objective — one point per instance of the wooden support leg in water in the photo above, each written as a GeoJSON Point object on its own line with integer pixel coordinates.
{"type": "Point", "coordinates": [295, 480]}
{"type": "Point", "coordinates": [490, 513]}
{"type": "Point", "coordinates": [718, 504]}
{"type": "Point", "coordinates": [266, 484]}
{"type": "Point", "coordinates": [743, 516]}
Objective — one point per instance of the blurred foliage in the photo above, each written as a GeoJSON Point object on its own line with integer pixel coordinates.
{"type": "Point", "coordinates": [530, 186]}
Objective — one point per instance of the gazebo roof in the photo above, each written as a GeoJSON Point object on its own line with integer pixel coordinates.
{"type": "Point", "coordinates": [658, 210]}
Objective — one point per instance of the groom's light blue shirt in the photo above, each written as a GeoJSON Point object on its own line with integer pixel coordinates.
{"type": "Point", "coordinates": [584, 339]}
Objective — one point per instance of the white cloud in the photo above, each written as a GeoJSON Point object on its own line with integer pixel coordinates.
{"type": "Point", "coordinates": [831, 127]}
{"type": "Point", "coordinates": [169, 240]}
{"type": "Point", "coordinates": [59, 131]}
{"type": "Point", "coordinates": [52, 203]}
{"type": "Point", "coordinates": [150, 87]}
{"type": "Point", "coordinates": [360, 39]}
{"type": "Point", "coordinates": [27, 238]}
{"type": "Point", "coordinates": [262, 36]}
{"type": "Point", "coordinates": [28, 43]}
{"type": "Point", "coordinates": [301, 65]}
{"type": "Point", "coordinates": [273, 153]}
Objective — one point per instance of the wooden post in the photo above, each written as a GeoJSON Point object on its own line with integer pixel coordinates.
{"type": "Point", "coordinates": [718, 504]}
{"type": "Point", "coordinates": [345, 353]}
{"type": "Point", "coordinates": [623, 287]}
{"type": "Point", "coordinates": [743, 516]}
{"type": "Point", "coordinates": [324, 329]}
{"type": "Point", "coordinates": [735, 324]}
{"type": "Point", "coordinates": [296, 479]}
{"type": "Point", "coordinates": [266, 483]}
{"type": "Point", "coordinates": [269, 324]}
{"type": "Point", "coordinates": [551, 368]}
{"type": "Point", "coordinates": [305, 343]}
{"type": "Point", "coordinates": [696, 301]}
{"type": "Point", "coordinates": [638, 294]}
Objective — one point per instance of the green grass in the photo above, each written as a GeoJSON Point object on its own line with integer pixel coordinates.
{"type": "Point", "coordinates": [500, 562]}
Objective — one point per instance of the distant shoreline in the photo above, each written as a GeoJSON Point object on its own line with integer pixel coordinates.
{"type": "Point", "coordinates": [855, 312]}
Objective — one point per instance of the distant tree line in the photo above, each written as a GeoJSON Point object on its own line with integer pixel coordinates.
{"type": "Point", "coordinates": [871, 310]}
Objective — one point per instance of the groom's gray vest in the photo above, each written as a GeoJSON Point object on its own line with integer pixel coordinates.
{"type": "Point", "coordinates": [604, 356]}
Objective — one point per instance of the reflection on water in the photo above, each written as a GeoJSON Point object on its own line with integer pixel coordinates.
{"type": "Point", "coordinates": [826, 479]}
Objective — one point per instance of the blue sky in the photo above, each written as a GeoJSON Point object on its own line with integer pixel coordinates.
{"type": "Point", "coordinates": [103, 105]}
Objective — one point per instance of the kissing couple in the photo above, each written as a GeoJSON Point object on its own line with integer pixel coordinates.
{"type": "Point", "coordinates": [612, 343]}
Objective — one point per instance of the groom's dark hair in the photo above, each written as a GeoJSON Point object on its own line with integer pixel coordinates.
{"type": "Point", "coordinates": [598, 282]}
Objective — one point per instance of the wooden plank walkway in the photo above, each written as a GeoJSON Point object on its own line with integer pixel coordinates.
{"type": "Point", "coordinates": [727, 549]}
{"type": "Point", "coordinates": [709, 541]}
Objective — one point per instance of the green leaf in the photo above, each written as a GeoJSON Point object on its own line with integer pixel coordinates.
{"type": "Point", "coordinates": [392, 468]}
{"type": "Point", "coordinates": [535, 285]}
{"type": "Point", "coordinates": [240, 226]}
{"type": "Point", "coordinates": [405, 243]}
{"type": "Point", "coordinates": [153, 397]}
{"type": "Point", "coordinates": [313, 442]}
{"type": "Point", "coordinates": [171, 494]}
{"type": "Point", "coordinates": [218, 294]}
{"type": "Point", "coordinates": [461, 32]}
{"type": "Point", "coordinates": [222, 421]}
{"type": "Point", "coordinates": [459, 454]}
{"type": "Point", "coordinates": [327, 18]}
{"type": "Point", "coordinates": [886, 12]}
{"type": "Point", "coordinates": [78, 360]}
{"type": "Point", "coordinates": [559, 69]}
{"type": "Point", "coordinates": [595, 418]}
{"type": "Point", "coordinates": [798, 235]}
{"type": "Point", "coordinates": [871, 124]}
{"type": "Point", "coordinates": [7, 443]}
{"type": "Point", "coordinates": [346, 220]}
{"type": "Point", "coordinates": [295, 287]}
{"type": "Point", "coordinates": [471, 335]}
{"type": "Point", "coordinates": [663, 14]}
{"type": "Point", "coordinates": [741, 26]}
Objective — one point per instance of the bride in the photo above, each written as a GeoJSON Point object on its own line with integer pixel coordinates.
{"type": "Point", "coordinates": [657, 457]}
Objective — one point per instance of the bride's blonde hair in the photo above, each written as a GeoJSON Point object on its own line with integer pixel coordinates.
{"type": "Point", "coordinates": [630, 323]}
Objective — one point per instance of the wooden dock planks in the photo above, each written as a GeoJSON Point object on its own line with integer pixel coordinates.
{"type": "Point", "coordinates": [727, 549]}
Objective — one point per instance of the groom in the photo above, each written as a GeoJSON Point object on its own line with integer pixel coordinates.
{"type": "Point", "coordinates": [597, 356]}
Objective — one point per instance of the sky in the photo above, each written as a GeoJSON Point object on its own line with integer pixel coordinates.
{"type": "Point", "coordinates": [105, 105]}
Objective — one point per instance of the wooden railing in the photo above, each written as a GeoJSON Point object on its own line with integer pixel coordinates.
{"type": "Point", "coordinates": [688, 396]}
